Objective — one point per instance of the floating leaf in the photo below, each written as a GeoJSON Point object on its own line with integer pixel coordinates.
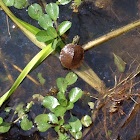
{"type": "Point", "coordinates": [50, 102]}
{"type": "Point", "coordinates": [9, 2]}
{"type": "Point", "coordinates": [75, 124]}
{"type": "Point", "coordinates": [61, 84]}
{"type": "Point", "coordinates": [45, 21]}
{"type": "Point", "coordinates": [120, 64]}
{"type": "Point", "coordinates": [43, 126]}
{"type": "Point", "coordinates": [52, 10]}
{"type": "Point", "coordinates": [43, 36]}
{"type": "Point", "coordinates": [51, 32]}
{"type": "Point", "coordinates": [4, 127]}
{"type": "Point", "coordinates": [86, 121]}
{"type": "Point", "coordinates": [60, 111]}
{"type": "Point", "coordinates": [19, 4]}
{"type": "Point", "coordinates": [63, 27]}
{"type": "Point", "coordinates": [41, 118]}
{"type": "Point", "coordinates": [41, 79]}
{"type": "Point", "coordinates": [71, 78]}
{"type": "Point", "coordinates": [35, 11]}
{"type": "Point", "coordinates": [52, 118]}
{"type": "Point", "coordinates": [75, 94]}
{"type": "Point", "coordinates": [91, 104]}
{"type": "Point", "coordinates": [64, 2]}
{"type": "Point", "coordinates": [26, 124]}
{"type": "Point", "coordinates": [1, 120]}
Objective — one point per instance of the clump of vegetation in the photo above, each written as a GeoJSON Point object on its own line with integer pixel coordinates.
{"type": "Point", "coordinates": [58, 107]}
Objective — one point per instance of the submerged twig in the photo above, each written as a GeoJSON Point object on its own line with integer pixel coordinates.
{"type": "Point", "coordinates": [8, 26]}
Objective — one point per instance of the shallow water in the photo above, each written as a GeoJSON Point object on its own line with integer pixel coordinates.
{"type": "Point", "coordinates": [89, 23]}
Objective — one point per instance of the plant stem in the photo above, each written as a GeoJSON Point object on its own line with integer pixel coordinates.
{"type": "Point", "coordinates": [111, 35]}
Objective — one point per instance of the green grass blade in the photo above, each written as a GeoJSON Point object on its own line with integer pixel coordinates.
{"type": "Point", "coordinates": [34, 62]}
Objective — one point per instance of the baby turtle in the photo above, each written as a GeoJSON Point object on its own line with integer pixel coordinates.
{"type": "Point", "coordinates": [72, 55]}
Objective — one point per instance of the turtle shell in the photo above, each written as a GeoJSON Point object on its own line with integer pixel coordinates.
{"type": "Point", "coordinates": [72, 56]}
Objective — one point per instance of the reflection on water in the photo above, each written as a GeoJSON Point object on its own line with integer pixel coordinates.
{"type": "Point", "coordinates": [91, 22]}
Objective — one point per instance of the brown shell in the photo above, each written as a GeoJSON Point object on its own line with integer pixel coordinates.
{"type": "Point", "coordinates": [72, 56]}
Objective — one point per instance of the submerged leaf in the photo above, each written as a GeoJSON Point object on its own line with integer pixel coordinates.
{"type": "Point", "coordinates": [41, 79]}
{"type": "Point", "coordinates": [120, 64]}
{"type": "Point", "coordinates": [35, 11]}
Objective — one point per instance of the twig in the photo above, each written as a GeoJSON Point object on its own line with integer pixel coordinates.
{"type": "Point", "coordinates": [8, 26]}
{"type": "Point", "coordinates": [111, 35]}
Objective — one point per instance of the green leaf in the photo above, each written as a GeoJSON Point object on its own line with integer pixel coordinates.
{"type": "Point", "coordinates": [50, 102]}
{"type": "Point", "coordinates": [91, 104]}
{"type": "Point", "coordinates": [64, 2]}
{"type": "Point", "coordinates": [4, 127]}
{"type": "Point", "coordinates": [52, 118]}
{"type": "Point", "coordinates": [51, 32]}
{"type": "Point", "coordinates": [26, 124]}
{"type": "Point", "coordinates": [61, 122]}
{"type": "Point", "coordinates": [70, 106]}
{"type": "Point", "coordinates": [66, 127]}
{"type": "Point", "coordinates": [75, 124]}
{"type": "Point", "coordinates": [28, 106]}
{"type": "Point", "coordinates": [43, 36]}
{"type": "Point", "coordinates": [9, 2]}
{"type": "Point", "coordinates": [41, 79]}
{"type": "Point", "coordinates": [61, 84]}
{"type": "Point", "coordinates": [62, 99]}
{"type": "Point", "coordinates": [54, 45]}
{"type": "Point", "coordinates": [77, 135]}
{"type": "Point", "coordinates": [19, 109]}
{"type": "Point", "coordinates": [63, 27]}
{"type": "Point", "coordinates": [86, 120]}
{"type": "Point", "coordinates": [1, 120]}
{"type": "Point", "coordinates": [41, 118]}
{"type": "Point", "coordinates": [35, 11]}
{"type": "Point", "coordinates": [57, 128]}
{"type": "Point", "coordinates": [45, 21]}
{"type": "Point", "coordinates": [34, 62]}
{"type": "Point", "coordinates": [63, 136]}
{"type": "Point", "coordinates": [19, 4]}
{"type": "Point", "coordinates": [38, 96]}
{"type": "Point", "coordinates": [60, 111]}
{"type": "Point", "coordinates": [75, 94]}
{"type": "Point", "coordinates": [43, 126]}
{"type": "Point", "coordinates": [71, 78]}
{"type": "Point", "coordinates": [7, 109]}
{"type": "Point", "coordinates": [52, 10]}
{"type": "Point", "coordinates": [120, 64]}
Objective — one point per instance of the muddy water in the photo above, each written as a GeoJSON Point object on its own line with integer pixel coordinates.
{"type": "Point", "coordinates": [95, 18]}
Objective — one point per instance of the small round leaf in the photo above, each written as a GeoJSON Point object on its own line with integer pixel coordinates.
{"type": "Point", "coordinates": [41, 118]}
{"type": "Point", "coordinates": [52, 118]}
{"type": "Point", "coordinates": [43, 126]}
{"type": "Point", "coordinates": [9, 2]}
{"type": "Point", "coordinates": [64, 2]}
{"type": "Point", "coordinates": [75, 94]}
{"type": "Point", "coordinates": [61, 84]}
{"type": "Point", "coordinates": [42, 36]}
{"type": "Point", "coordinates": [4, 127]}
{"type": "Point", "coordinates": [35, 11]}
{"type": "Point", "coordinates": [50, 102]}
{"type": "Point", "coordinates": [63, 27]}
{"type": "Point", "coordinates": [51, 32]}
{"type": "Point", "coordinates": [52, 10]}
{"type": "Point", "coordinates": [86, 121]}
{"type": "Point", "coordinates": [75, 124]}
{"type": "Point", "coordinates": [45, 21]}
{"type": "Point", "coordinates": [60, 111]}
{"type": "Point", "coordinates": [19, 4]}
{"type": "Point", "coordinates": [26, 124]}
{"type": "Point", "coordinates": [71, 78]}
{"type": "Point", "coordinates": [70, 106]}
